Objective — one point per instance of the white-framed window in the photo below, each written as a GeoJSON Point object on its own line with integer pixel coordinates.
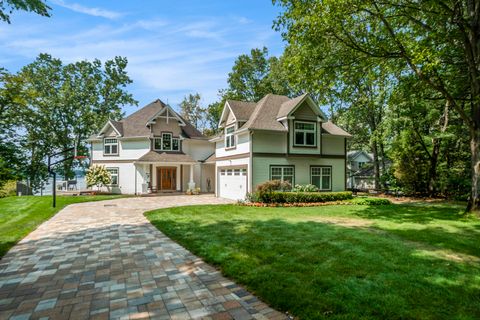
{"type": "Point", "coordinates": [321, 177]}
{"type": "Point", "coordinates": [305, 134]}
{"type": "Point", "coordinates": [110, 146]}
{"type": "Point", "coordinates": [361, 164]}
{"type": "Point", "coordinates": [166, 143]}
{"type": "Point", "coordinates": [114, 174]}
{"type": "Point", "coordinates": [222, 172]}
{"type": "Point", "coordinates": [236, 172]}
{"type": "Point", "coordinates": [229, 137]}
{"type": "Point", "coordinates": [283, 173]}
{"type": "Point", "coordinates": [229, 172]}
{"type": "Point", "coordinates": [244, 172]}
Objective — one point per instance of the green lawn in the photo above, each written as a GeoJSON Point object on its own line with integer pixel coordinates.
{"type": "Point", "coordinates": [415, 261]}
{"type": "Point", "coordinates": [20, 215]}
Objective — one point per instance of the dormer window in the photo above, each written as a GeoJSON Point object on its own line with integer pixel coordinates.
{"type": "Point", "coordinates": [305, 134]}
{"type": "Point", "coordinates": [110, 146]}
{"type": "Point", "coordinates": [230, 137]}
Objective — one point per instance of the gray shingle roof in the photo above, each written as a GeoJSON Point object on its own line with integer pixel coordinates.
{"type": "Point", "coordinates": [153, 156]}
{"type": "Point", "coordinates": [135, 124]}
{"type": "Point", "coordinates": [241, 110]}
{"type": "Point", "coordinates": [332, 129]}
{"type": "Point", "coordinates": [289, 105]}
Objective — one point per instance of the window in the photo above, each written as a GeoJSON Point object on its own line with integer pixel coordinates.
{"type": "Point", "coordinates": [282, 173]}
{"type": "Point", "coordinates": [361, 164]}
{"type": "Point", "coordinates": [110, 146]}
{"type": "Point", "coordinates": [305, 134]}
{"type": "Point", "coordinates": [244, 172]}
{"type": "Point", "coordinates": [222, 172]}
{"type": "Point", "coordinates": [166, 143]}
{"type": "Point", "coordinates": [114, 174]}
{"type": "Point", "coordinates": [229, 172]}
{"type": "Point", "coordinates": [175, 144]}
{"type": "Point", "coordinates": [321, 177]}
{"type": "Point", "coordinates": [236, 172]}
{"type": "Point", "coordinates": [229, 137]}
{"type": "Point", "coordinates": [157, 144]}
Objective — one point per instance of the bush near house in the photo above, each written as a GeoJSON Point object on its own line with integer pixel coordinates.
{"type": "Point", "coordinates": [304, 197]}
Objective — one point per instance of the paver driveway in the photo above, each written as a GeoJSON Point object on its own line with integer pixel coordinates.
{"type": "Point", "coordinates": [105, 260]}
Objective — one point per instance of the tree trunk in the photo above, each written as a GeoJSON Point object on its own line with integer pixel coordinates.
{"type": "Point", "coordinates": [376, 165]}
{"type": "Point", "coordinates": [432, 172]}
{"type": "Point", "coordinates": [474, 200]}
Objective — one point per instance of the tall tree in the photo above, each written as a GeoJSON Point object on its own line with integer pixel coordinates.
{"type": "Point", "coordinates": [67, 103]}
{"type": "Point", "coordinates": [436, 41]}
{"type": "Point", "coordinates": [8, 6]}
{"type": "Point", "coordinates": [255, 75]}
{"type": "Point", "coordinates": [192, 111]}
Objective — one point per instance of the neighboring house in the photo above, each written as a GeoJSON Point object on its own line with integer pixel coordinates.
{"type": "Point", "coordinates": [277, 138]}
{"type": "Point", "coordinates": [154, 150]}
{"type": "Point", "coordinates": [360, 170]}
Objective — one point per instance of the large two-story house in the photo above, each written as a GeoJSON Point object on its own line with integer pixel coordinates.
{"type": "Point", "coordinates": [154, 150]}
{"type": "Point", "coordinates": [277, 138]}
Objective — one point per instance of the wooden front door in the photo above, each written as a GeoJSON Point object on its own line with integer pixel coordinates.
{"type": "Point", "coordinates": [166, 178]}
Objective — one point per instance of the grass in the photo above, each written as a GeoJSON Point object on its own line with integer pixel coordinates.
{"type": "Point", "coordinates": [21, 215]}
{"type": "Point", "coordinates": [414, 261]}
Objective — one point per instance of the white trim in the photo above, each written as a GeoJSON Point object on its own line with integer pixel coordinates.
{"type": "Point", "coordinates": [228, 135]}
{"type": "Point", "coordinates": [110, 145]}
{"type": "Point", "coordinates": [315, 108]}
{"type": "Point", "coordinates": [105, 128]}
{"type": "Point", "coordinates": [223, 114]}
{"type": "Point", "coordinates": [170, 110]}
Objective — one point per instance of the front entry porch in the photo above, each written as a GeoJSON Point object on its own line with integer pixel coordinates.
{"type": "Point", "coordinates": [173, 172]}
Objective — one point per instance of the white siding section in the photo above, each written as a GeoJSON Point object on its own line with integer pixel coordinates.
{"type": "Point", "coordinates": [198, 149]}
{"type": "Point", "coordinates": [128, 149]}
{"type": "Point", "coordinates": [242, 146]}
{"type": "Point", "coordinates": [126, 178]}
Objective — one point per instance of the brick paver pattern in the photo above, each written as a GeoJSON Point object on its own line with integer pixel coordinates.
{"type": "Point", "coordinates": [104, 260]}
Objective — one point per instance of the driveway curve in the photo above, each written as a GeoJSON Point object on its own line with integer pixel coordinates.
{"type": "Point", "coordinates": [104, 260]}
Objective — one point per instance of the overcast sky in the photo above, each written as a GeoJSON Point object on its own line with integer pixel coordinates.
{"type": "Point", "coordinates": [173, 47]}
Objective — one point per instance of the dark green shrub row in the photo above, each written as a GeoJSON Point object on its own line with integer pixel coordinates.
{"type": "Point", "coordinates": [299, 197]}
{"type": "Point", "coordinates": [371, 201]}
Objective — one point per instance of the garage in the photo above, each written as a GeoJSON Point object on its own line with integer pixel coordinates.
{"type": "Point", "coordinates": [232, 183]}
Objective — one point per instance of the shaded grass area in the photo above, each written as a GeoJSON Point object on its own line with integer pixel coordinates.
{"type": "Point", "coordinates": [396, 264]}
{"type": "Point", "coordinates": [21, 215]}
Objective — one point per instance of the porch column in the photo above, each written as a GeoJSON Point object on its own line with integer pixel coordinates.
{"type": "Point", "coordinates": [191, 183]}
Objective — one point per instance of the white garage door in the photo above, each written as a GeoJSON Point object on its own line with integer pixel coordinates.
{"type": "Point", "coordinates": [233, 183]}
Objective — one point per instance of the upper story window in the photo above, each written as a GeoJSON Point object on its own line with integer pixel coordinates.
{"type": "Point", "coordinates": [229, 137]}
{"type": "Point", "coordinates": [110, 146]}
{"type": "Point", "coordinates": [305, 134]}
{"type": "Point", "coordinates": [361, 164]}
{"type": "Point", "coordinates": [166, 143]}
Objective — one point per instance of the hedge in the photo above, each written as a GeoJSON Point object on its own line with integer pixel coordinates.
{"type": "Point", "coordinates": [371, 201]}
{"type": "Point", "coordinates": [302, 197]}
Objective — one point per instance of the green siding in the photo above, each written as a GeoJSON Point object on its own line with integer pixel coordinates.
{"type": "Point", "coordinates": [333, 145]}
{"type": "Point", "coordinates": [261, 169]}
{"type": "Point", "coordinates": [269, 142]}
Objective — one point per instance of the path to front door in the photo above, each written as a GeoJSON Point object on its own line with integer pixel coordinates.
{"type": "Point", "coordinates": [104, 260]}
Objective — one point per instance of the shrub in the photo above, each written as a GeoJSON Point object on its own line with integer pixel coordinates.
{"type": "Point", "coordinates": [98, 176]}
{"type": "Point", "coordinates": [274, 185]}
{"type": "Point", "coordinates": [8, 189]}
{"type": "Point", "coordinates": [371, 201]}
{"type": "Point", "coordinates": [265, 190]}
{"type": "Point", "coordinates": [305, 188]}
{"type": "Point", "coordinates": [303, 197]}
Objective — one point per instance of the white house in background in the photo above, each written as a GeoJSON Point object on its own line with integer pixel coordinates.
{"type": "Point", "coordinates": [360, 170]}
{"type": "Point", "coordinates": [154, 150]}
{"type": "Point", "coordinates": [277, 138]}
